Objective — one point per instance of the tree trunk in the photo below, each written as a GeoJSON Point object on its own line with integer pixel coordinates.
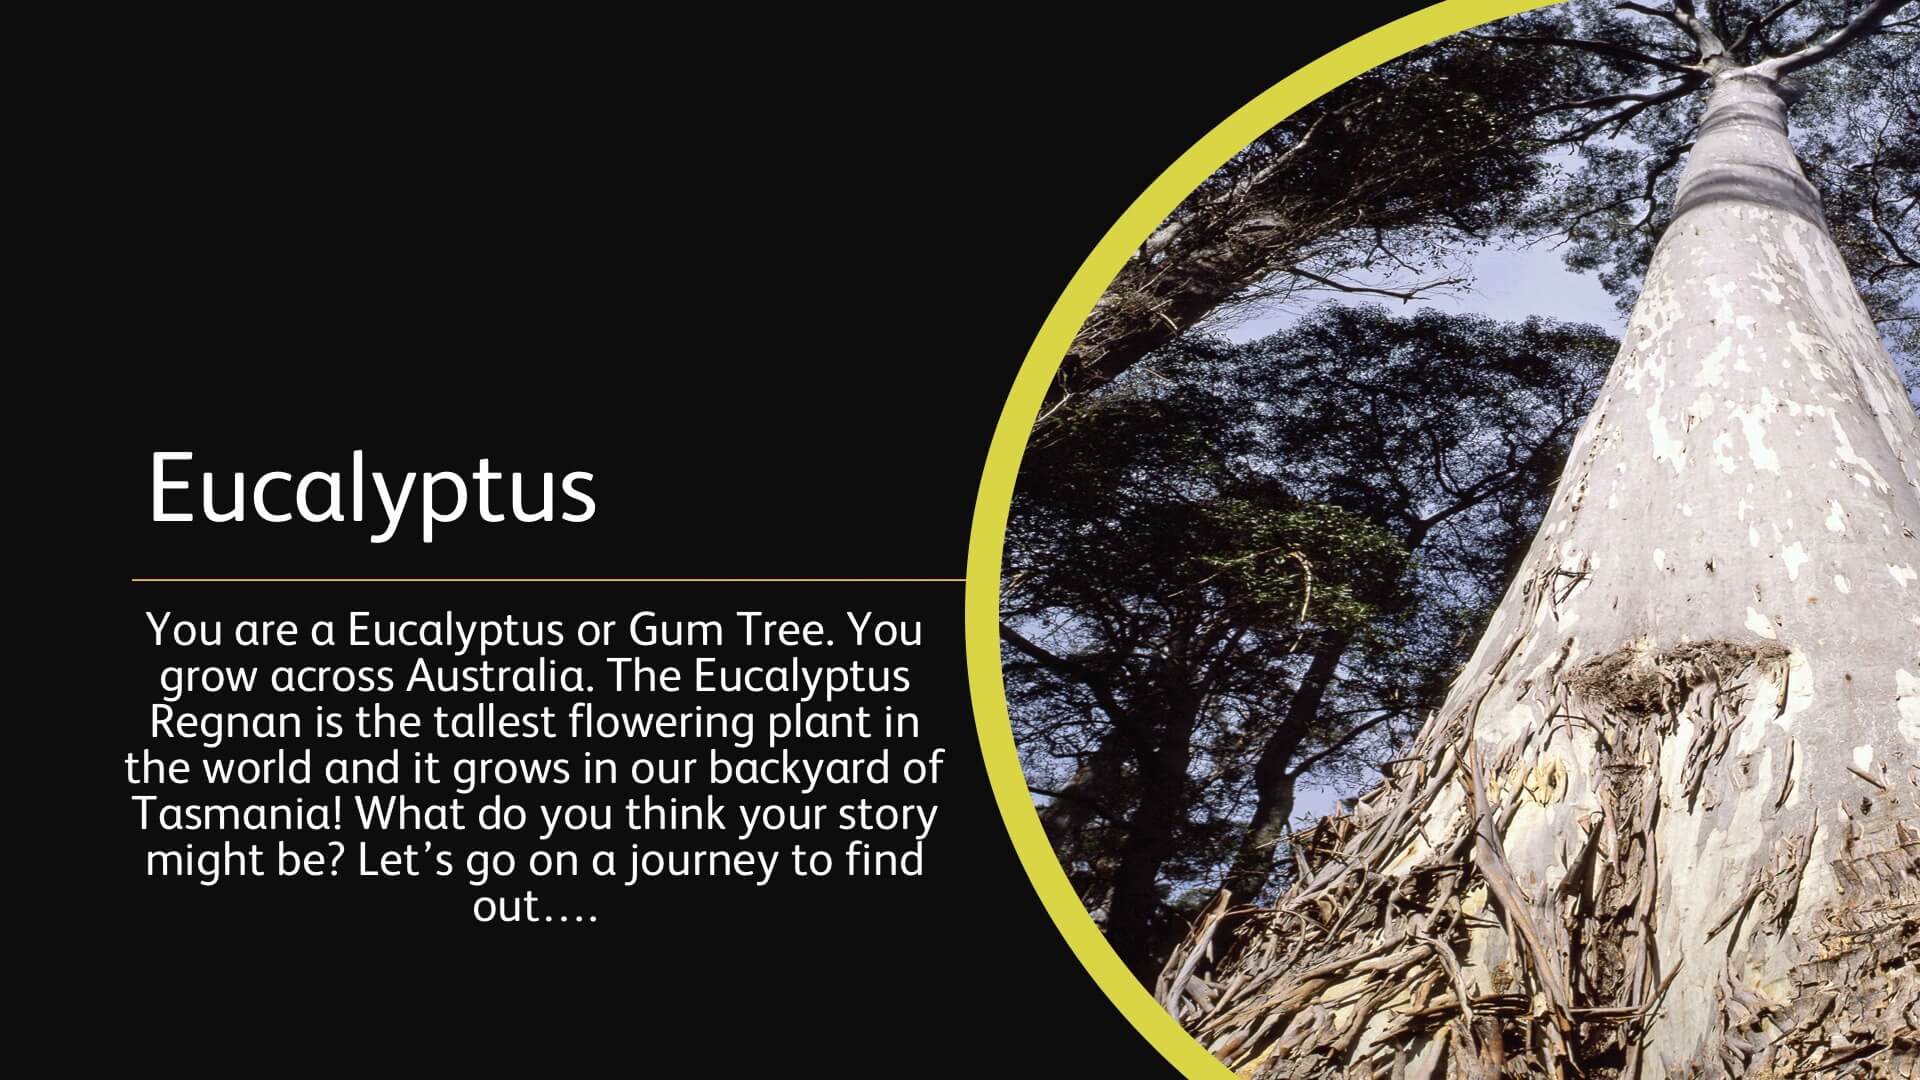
{"type": "Point", "coordinates": [1273, 778]}
{"type": "Point", "coordinates": [1134, 913]}
{"type": "Point", "coordinates": [1086, 794]}
{"type": "Point", "coordinates": [1665, 823]}
{"type": "Point", "coordinates": [1090, 793]}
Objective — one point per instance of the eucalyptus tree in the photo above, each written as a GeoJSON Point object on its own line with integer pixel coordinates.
{"type": "Point", "coordinates": [1664, 823]}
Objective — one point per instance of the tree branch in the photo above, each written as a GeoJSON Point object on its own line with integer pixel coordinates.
{"type": "Point", "coordinates": [1759, 25]}
{"type": "Point", "coordinates": [1862, 25]}
{"type": "Point", "coordinates": [1666, 162]}
{"type": "Point", "coordinates": [1097, 682]}
{"type": "Point", "coordinates": [1601, 102]}
{"type": "Point", "coordinates": [1656, 13]}
{"type": "Point", "coordinates": [1088, 801]}
{"type": "Point", "coordinates": [1491, 484]}
{"type": "Point", "coordinates": [1905, 259]}
{"type": "Point", "coordinates": [1412, 293]}
{"type": "Point", "coordinates": [1641, 103]}
{"type": "Point", "coordinates": [1300, 767]}
{"type": "Point", "coordinates": [1601, 48]}
{"type": "Point", "coordinates": [1042, 656]}
{"type": "Point", "coordinates": [1713, 51]}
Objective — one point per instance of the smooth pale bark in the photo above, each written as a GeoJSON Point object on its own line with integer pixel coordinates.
{"type": "Point", "coordinates": [1666, 823]}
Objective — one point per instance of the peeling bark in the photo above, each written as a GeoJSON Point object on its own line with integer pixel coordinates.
{"type": "Point", "coordinates": [1667, 822]}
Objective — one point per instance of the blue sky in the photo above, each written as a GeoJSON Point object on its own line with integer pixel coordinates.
{"type": "Point", "coordinates": [1507, 284]}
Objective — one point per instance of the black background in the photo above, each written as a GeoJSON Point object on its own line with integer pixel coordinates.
{"type": "Point", "coordinates": [769, 279]}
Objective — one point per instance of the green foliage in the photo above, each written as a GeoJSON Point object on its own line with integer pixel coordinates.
{"type": "Point", "coordinates": [1415, 420]}
{"type": "Point", "coordinates": [1148, 506]}
{"type": "Point", "coordinates": [1181, 544]}
{"type": "Point", "coordinates": [1363, 557]}
{"type": "Point", "coordinates": [1393, 174]}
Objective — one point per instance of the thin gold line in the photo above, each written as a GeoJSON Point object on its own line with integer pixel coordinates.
{"type": "Point", "coordinates": [538, 580]}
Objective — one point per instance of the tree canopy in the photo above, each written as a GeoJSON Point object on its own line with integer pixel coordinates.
{"type": "Point", "coordinates": [1566, 126]}
{"type": "Point", "coordinates": [1375, 181]}
{"type": "Point", "coordinates": [1245, 562]}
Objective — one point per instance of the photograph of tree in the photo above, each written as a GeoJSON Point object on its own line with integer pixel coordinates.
{"type": "Point", "coordinates": [1461, 604]}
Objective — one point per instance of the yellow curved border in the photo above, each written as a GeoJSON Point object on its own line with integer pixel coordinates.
{"type": "Point", "coordinates": [1010, 442]}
